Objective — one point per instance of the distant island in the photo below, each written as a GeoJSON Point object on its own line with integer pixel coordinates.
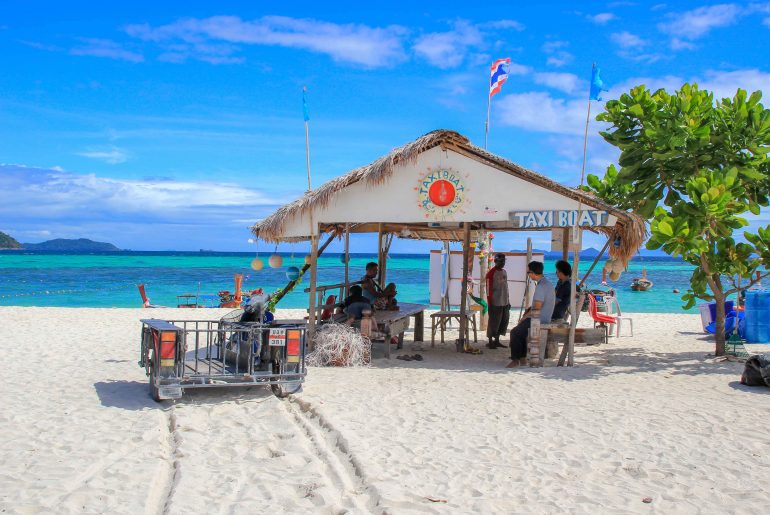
{"type": "Point", "coordinates": [60, 244]}
{"type": "Point", "coordinates": [79, 245]}
{"type": "Point", "coordinates": [8, 243]}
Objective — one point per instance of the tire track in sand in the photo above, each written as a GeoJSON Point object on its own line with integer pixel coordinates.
{"type": "Point", "coordinates": [166, 479]}
{"type": "Point", "coordinates": [331, 448]}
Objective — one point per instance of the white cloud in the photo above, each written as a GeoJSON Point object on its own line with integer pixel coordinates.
{"type": "Point", "coordinates": [567, 82]}
{"type": "Point", "coordinates": [694, 24]}
{"type": "Point", "coordinates": [503, 24]}
{"type": "Point", "coordinates": [601, 18]}
{"type": "Point", "coordinates": [557, 55]}
{"type": "Point", "coordinates": [725, 84]}
{"type": "Point", "coordinates": [47, 195]}
{"type": "Point", "coordinates": [678, 44]}
{"type": "Point", "coordinates": [351, 43]}
{"type": "Point", "coordinates": [112, 155]}
{"type": "Point", "coordinates": [627, 40]}
{"type": "Point", "coordinates": [448, 49]}
{"type": "Point", "coordinates": [540, 112]}
{"type": "Point", "coordinates": [106, 48]}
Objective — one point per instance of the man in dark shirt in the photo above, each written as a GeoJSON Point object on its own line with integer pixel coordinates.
{"type": "Point", "coordinates": [355, 304]}
{"type": "Point", "coordinates": [563, 290]}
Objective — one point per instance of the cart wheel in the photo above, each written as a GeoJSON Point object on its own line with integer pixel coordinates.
{"type": "Point", "coordinates": [154, 393]}
{"type": "Point", "coordinates": [284, 390]}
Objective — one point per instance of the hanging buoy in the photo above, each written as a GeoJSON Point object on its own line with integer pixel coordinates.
{"type": "Point", "coordinates": [307, 260]}
{"type": "Point", "coordinates": [342, 259]}
{"type": "Point", "coordinates": [292, 273]}
{"type": "Point", "coordinates": [275, 261]}
{"type": "Point", "coordinates": [257, 264]}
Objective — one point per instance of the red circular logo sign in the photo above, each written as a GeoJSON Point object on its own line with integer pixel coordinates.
{"type": "Point", "coordinates": [442, 193]}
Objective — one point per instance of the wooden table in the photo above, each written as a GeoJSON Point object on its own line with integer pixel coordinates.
{"type": "Point", "coordinates": [394, 323]}
{"type": "Point", "coordinates": [439, 320]}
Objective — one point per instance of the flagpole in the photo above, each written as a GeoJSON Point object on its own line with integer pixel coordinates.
{"type": "Point", "coordinates": [486, 126]}
{"type": "Point", "coordinates": [313, 240]}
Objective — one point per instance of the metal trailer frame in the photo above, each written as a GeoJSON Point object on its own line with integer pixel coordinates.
{"type": "Point", "coordinates": [185, 354]}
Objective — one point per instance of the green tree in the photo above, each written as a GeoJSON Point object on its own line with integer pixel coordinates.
{"type": "Point", "coordinates": [694, 168]}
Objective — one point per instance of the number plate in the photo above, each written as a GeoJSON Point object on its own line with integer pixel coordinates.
{"type": "Point", "coordinates": [277, 338]}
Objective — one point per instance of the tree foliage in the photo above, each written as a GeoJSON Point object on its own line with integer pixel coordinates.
{"type": "Point", "coordinates": [694, 168]}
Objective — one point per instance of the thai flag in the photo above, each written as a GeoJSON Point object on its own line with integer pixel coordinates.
{"type": "Point", "coordinates": [499, 75]}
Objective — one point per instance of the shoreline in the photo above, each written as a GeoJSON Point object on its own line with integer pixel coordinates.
{"type": "Point", "coordinates": [649, 416]}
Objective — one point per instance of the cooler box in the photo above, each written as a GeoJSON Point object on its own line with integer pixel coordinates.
{"type": "Point", "coordinates": [705, 315]}
{"type": "Point", "coordinates": [757, 316]}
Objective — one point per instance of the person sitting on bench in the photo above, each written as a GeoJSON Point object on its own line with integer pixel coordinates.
{"type": "Point", "coordinates": [543, 299]}
{"type": "Point", "coordinates": [381, 298]}
{"type": "Point", "coordinates": [355, 304]}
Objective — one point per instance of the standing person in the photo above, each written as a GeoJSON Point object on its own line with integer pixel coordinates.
{"type": "Point", "coordinates": [563, 290]}
{"type": "Point", "coordinates": [498, 302]}
{"type": "Point", "coordinates": [544, 300]}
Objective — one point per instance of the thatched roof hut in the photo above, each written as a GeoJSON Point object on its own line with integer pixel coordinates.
{"type": "Point", "coordinates": [403, 193]}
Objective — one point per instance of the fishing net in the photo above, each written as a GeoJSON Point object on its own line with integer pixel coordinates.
{"type": "Point", "coordinates": [340, 345]}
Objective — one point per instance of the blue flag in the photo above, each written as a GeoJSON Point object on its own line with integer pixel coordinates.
{"type": "Point", "coordinates": [597, 85]}
{"type": "Point", "coordinates": [305, 112]}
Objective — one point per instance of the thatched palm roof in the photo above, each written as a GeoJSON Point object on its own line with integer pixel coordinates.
{"type": "Point", "coordinates": [630, 228]}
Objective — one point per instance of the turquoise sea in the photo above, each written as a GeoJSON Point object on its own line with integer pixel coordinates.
{"type": "Point", "coordinates": [109, 279]}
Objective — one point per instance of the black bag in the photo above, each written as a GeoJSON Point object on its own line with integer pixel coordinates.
{"type": "Point", "coordinates": [757, 371]}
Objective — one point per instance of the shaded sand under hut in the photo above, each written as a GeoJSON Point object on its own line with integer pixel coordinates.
{"type": "Point", "coordinates": [442, 187]}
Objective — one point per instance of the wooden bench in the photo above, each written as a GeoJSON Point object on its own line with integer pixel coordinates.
{"type": "Point", "coordinates": [440, 319]}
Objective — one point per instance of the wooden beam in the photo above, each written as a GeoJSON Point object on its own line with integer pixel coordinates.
{"type": "Point", "coordinates": [379, 252]}
{"type": "Point", "coordinates": [463, 294]}
{"type": "Point", "coordinates": [313, 280]}
{"type": "Point", "coordinates": [565, 244]}
{"type": "Point", "coordinates": [347, 260]}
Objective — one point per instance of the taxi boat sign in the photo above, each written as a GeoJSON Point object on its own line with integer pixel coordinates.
{"type": "Point", "coordinates": [568, 218]}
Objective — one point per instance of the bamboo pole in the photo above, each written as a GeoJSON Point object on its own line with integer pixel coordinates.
{"type": "Point", "coordinates": [598, 257]}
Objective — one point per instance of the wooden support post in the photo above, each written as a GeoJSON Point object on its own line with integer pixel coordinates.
{"type": "Point", "coordinates": [313, 279]}
{"type": "Point", "coordinates": [483, 269]}
{"type": "Point", "coordinates": [347, 260]}
{"type": "Point", "coordinates": [565, 244]}
{"type": "Point", "coordinates": [533, 342]}
{"type": "Point", "coordinates": [379, 254]}
{"type": "Point", "coordinates": [464, 288]}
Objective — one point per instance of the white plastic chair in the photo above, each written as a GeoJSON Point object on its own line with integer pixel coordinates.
{"type": "Point", "coordinates": [613, 301]}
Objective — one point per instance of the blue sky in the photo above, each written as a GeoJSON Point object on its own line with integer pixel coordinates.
{"type": "Point", "coordinates": [176, 125]}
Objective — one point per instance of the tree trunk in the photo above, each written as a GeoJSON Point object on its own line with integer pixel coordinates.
{"type": "Point", "coordinates": [719, 333]}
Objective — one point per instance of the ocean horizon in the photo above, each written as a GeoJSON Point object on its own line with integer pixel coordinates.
{"type": "Point", "coordinates": [110, 279]}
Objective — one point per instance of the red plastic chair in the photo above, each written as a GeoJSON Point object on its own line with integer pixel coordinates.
{"type": "Point", "coordinates": [326, 314]}
{"type": "Point", "coordinates": [600, 319]}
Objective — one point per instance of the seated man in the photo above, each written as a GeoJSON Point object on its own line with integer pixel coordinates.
{"type": "Point", "coordinates": [543, 299]}
{"type": "Point", "coordinates": [355, 304]}
{"type": "Point", "coordinates": [381, 298]}
{"type": "Point", "coordinates": [563, 290]}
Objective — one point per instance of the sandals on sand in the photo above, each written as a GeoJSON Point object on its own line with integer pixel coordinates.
{"type": "Point", "coordinates": [406, 357]}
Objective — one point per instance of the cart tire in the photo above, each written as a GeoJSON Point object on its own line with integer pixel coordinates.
{"type": "Point", "coordinates": [284, 390]}
{"type": "Point", "coordinates": [154, 393]}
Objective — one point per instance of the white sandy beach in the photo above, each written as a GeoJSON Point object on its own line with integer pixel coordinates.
{"type": "Point", "coordinates": [643, 417]}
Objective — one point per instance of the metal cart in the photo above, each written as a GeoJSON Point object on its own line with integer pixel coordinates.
{"type": "Point", "coordinates": [184, 354]}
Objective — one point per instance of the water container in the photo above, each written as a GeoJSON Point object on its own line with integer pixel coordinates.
{"type": "Point", "coordinates": [757, 316]}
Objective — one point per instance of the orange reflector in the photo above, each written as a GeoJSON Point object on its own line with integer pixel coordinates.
{"type": "Point", "coordinates": [168, 346]}
{"type": "Point", "coordinates": [292, 334]}
{"type": "Point", "coordinates": [292, 346]}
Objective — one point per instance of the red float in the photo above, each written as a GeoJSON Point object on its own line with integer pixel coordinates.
{"type": "Point", "coordinates": [442, 193]}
